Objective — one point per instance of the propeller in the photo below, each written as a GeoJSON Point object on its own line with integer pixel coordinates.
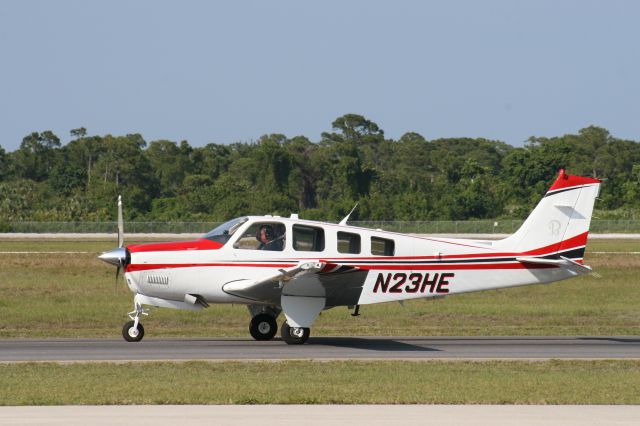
{"type": "Point", "coordinates": [120, 239]}
{"type": "Point", "coordinates": [119, 256]}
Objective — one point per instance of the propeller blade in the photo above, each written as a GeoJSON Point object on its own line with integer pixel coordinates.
{"type": "Point", "coordinates": [117, 273]}
{"type": "Point", "coordinates": [120, 223]}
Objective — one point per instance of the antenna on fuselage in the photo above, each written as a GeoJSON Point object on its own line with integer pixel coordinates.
{"type": "Point", "coordinates": [346, 218]}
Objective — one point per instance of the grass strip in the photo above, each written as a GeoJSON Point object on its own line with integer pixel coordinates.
{"type": "Point", "coordinates": [307, 382]}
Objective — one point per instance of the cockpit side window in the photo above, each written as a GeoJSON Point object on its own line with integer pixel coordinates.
{"type": "Point", "coordinates": [269, 236]}
{"type": "Point", "coordinates": [223, 233]}
{"type": "Point", "coordinates": [308, 238]}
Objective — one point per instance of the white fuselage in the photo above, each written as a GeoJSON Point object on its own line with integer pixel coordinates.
{"type": "Point", "coordinates": [418, 267]}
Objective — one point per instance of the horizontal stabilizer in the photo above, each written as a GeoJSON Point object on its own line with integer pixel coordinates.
{"type": "Point", "coordinates": [562, 262]}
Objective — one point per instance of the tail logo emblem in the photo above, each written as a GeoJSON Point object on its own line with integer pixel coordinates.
{"type": "Point", "coordinates": [554, 227]}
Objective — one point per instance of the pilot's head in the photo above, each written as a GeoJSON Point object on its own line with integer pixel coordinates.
{"type": "Point", "coordinates": [265, 234]}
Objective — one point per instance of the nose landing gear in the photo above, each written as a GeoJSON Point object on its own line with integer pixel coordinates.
{"type": "Point", "coordinates": [133, 331]}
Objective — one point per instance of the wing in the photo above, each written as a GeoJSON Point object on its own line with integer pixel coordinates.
{"type": "Point", "coordinates": [315, 278]}
{"type": "Point", "coordinates": [263, 289]}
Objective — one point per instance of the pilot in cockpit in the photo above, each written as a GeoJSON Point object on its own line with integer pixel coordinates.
{"type": "Point", "coordinates": [268, 239]}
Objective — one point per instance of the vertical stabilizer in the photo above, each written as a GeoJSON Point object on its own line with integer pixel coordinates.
{"type": "Point", "coordinates": [560, 222]}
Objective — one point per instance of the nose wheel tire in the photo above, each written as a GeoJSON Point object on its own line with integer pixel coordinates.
{"type": "Point", "coordinates": [131, 333]}
{"type": "Point", "coordinates": [294, 335]}
{"type": "Point", "coordinates": [263, 327]}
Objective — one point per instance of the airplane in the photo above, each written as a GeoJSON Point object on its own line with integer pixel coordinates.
{"type": "Point", "coordinates": [301, 267]}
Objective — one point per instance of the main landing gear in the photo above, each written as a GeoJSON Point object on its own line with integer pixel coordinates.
{"type": "Point", "coordinates": [133, 331]}
{"type": "Point", "coordinates": [263, 326]}
{"type": "Point", "coordinates": [294, 335]}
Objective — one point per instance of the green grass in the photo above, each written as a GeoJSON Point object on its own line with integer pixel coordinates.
{"type": "Point", "coordinates": [305, 382]}
{"type": "Point", "coordinates": [73, 295]}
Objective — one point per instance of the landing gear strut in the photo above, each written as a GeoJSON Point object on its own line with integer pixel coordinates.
{"type": "Point", "coordinates": [294, 335]}
{"type": "Point", "coordinates": [263, 327]}
{"type": "Point", "coordinates": [133, 331]}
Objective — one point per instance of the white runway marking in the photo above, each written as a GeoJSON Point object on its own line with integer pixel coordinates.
{"type": "Point", "coordinates": [49, 252]}
{"type": "Point", "coordinates": [613, 252]}
{"type": "Point", "coordinates": [370, 415]}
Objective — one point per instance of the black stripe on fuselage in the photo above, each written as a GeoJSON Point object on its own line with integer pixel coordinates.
{"type": "Point", "coordinates": [348, 264]}
{"type": "Point", "coordinates": [577, 253]}
{"type": "Point", "coordinates": [427, 262]}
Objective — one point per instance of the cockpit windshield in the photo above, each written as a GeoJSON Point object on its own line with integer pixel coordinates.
{"type": "Point", "coordinates": [223, 233]}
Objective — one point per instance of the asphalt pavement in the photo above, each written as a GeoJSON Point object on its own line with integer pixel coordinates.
{"type": "Point", "coordinates": [323, 348]}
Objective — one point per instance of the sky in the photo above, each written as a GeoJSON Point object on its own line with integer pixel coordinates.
{"type": "Point", "coordinates": [223, 72]}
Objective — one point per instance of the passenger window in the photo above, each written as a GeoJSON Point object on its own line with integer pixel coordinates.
{"type": "Point", "coordinates": [382, 246]}
{"type": "Point", "coordinates": [308, 238]}
{"type": "Point", "coordinates": [262, 236]}
{"type": "Point", "coordinates": [348, 243]}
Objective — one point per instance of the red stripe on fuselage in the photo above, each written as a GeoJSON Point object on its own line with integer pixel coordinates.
{"type": "Point", "coordinates": [466, 266]}
{"type": "Point", "coordinates": [201, 244]}
{"type": "Point", "coordinates": [148, 266]}
{"type": "Point", "coordinates": [205, 244]}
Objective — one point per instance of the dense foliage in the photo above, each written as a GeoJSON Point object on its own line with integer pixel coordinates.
{"type": "Point", "coordinates": [407, 179]}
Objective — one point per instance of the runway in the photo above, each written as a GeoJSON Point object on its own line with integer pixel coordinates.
{"type": "Point", "coordinates": [323, 348]}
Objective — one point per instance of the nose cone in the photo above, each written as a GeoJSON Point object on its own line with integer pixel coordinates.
{"type": "Point", "coordinates": [114, 257]}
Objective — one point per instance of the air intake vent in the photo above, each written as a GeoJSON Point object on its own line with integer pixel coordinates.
{"type": "Point", "coordinates": [158, 279]}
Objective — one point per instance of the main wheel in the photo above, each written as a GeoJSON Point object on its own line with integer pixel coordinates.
{"type": "Point", "coordinates": [263, 327]}
{"type": "Point", "coordinates": [294, 335]}
{"type": "Point", "coordinates": [132, 334]}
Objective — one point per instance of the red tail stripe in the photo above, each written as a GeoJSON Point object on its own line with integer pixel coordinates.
{"type": "Point", "coordinates": [567, 181]}
{"type": "Point", "coordinates": [573, 242]}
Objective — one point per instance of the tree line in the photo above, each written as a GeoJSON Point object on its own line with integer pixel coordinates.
{"type": "Point", "coordinates": [411, 178]}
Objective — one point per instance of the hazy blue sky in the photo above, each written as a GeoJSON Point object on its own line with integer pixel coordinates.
{"type": "Point", "coordinates": [225, 72]}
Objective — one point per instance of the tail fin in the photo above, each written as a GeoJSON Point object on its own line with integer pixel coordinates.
{"type": "Point", "coordinates": [560, 222]}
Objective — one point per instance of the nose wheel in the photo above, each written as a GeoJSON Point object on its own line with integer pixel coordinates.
{"type": "Point", "coordinates": [263, 327]}
{"type": "Point", "coordinates": [294, 335]}
{"type": "Point", "coordinates": [133, 332]}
